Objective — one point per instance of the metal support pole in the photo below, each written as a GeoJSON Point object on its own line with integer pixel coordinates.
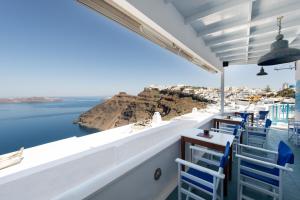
{"type": "Point", "coordinates": [222, 91]}
{"type": "Point", "coordinates": [287, 112]}
{"type": "Point", "coordinates": [297, 105]}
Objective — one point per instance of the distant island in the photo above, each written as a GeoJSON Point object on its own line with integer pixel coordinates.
{"type": "Point", "coordinates": [124, 109]}
{"type": "Point", "coordinates": [30, 100]}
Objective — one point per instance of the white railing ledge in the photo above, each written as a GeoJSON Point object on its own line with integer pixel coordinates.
{"type": "Point", "coordinates": [120, 147]}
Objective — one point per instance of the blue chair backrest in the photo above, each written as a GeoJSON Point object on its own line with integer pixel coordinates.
{"type": "Point", "coordinates": [285, 154]}
{"type": "Point", "coordinates": [244, 116]}
{"type": "Point", "coordinates": [268, 123]}
{"type": "Point", "coordinates": [263, 114]}
{"type": "Point", "coordinates": [243, 123]}
{"type": "Point", "coordinates": [235, 130]}
{"type": "Point", "coordinates": [224, 158]}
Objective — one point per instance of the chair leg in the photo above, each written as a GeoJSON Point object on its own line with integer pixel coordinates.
{"type": "Point", "coordinates": [222, 190]}
{"type": "Point", "coordinates": [280, 189]}
{"type": "Point", "coordinates": [179, 193]}
{"type": "Point", "coordinates": [179, 182]}
{"type": "Point", "coordinates": [293, 138]}
{"type": "Point", "coordinates": [273, 190]}
{"type": "Point", "coordinates": [280, 194]}
{"type": "Point", "coordinates": [241, 192]}
{"type": "Point", "coordinates": [238, 181]}
{"type": "Point", "coordinates": [187, 196]}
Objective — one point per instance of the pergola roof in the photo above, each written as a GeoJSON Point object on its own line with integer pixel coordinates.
{"type": "Point", "coordinates": [238, 31]}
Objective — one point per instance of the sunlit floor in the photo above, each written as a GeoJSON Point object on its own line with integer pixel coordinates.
{"type": "Point", "coordinates": [291, 187]}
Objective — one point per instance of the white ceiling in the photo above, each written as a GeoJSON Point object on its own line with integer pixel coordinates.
{"type": "Point", "coordinates": [240, 31]}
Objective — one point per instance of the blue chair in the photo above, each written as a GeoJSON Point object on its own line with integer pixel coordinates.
{"type": "Point", "coordinates": [262, 115]}
{"type": "Point", "coordinates": [201, 178]}
{"type": "Point", "coordinates": [262, 170]}
{"type": "Point", "coordinates": [294, 132]}
{"type": "Point", "coordinates": [237, 131]}
{"type": "Point", "coordinates": [245, 116]}
{"type": "Point", "coordinates": [257, 135]}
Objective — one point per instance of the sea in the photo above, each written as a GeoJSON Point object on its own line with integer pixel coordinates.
{"type": "Point", "coordinates": [31, 124]}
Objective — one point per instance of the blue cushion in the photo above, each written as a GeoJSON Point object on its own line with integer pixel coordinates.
{"type": "Point", "coordinates": [224, 158]}
{"type": "Point", "coordinates": [202, 175]}
{"type": "Point", "coordinates": [285, 154]}
{"type": "Point", "coordinates": [268, 123]}
{"type": "Point", "coordinates": [273, 171]}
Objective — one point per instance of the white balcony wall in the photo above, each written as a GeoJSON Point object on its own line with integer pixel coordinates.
{"type": "Point", "coordinates": [98, 165]}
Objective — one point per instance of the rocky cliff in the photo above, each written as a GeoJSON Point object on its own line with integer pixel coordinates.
{"type": "Point", "coordinates": [124, 109]}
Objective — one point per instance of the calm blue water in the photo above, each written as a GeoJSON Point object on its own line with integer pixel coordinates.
{"type": "Point", "coordinates": [34, 124]}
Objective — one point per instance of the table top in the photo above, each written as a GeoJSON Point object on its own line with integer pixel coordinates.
{"type": "Point", "coordinates": [250, 113]}
{"type": "Point", "coordinates": [237, 119]}
{"type": "Point", "coordinates": [218, 138]}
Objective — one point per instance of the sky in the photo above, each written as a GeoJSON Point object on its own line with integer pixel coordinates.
{"type": "Point", "coordinates": [62, 48]}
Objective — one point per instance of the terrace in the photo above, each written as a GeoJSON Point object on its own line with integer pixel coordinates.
{"type": "Point", "coordinates": [117, 162]}
{"type": "Point", "coordinates": [121, 163]}
{"type": "Point", "coordinates": [291, 180]}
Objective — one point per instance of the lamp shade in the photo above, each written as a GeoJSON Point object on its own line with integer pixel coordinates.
{"type": "Point", "coordinates": [280, 53]}
{"type": "Point", "coordinates": [262, 72]}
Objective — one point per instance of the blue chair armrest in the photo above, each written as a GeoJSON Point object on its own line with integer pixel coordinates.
{"type": "Point", "coordinates": [264, 163]}
{"type": "Point", "coordinates": [200, 168]}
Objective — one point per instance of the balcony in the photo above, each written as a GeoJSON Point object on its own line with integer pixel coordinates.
{"type": "Point", "coordinates": [117, 163]}
{"type": "Point", "coordinates": [291, 181]}
{"type": "Point", "coordinates": [121, 163]}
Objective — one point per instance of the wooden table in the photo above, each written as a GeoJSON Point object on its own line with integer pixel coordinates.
{"type": "Point", "coordinates": [217, 142]}
{"type": "Point", "coordinates": [222, 119]}
{"type": "Point", "coordinates": [233, 121]}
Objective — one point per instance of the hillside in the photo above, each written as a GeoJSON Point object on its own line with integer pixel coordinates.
{"type": "Point", "coordinates": [124, 109]}
{"type": "Point", "coordinates": [290, 93]}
